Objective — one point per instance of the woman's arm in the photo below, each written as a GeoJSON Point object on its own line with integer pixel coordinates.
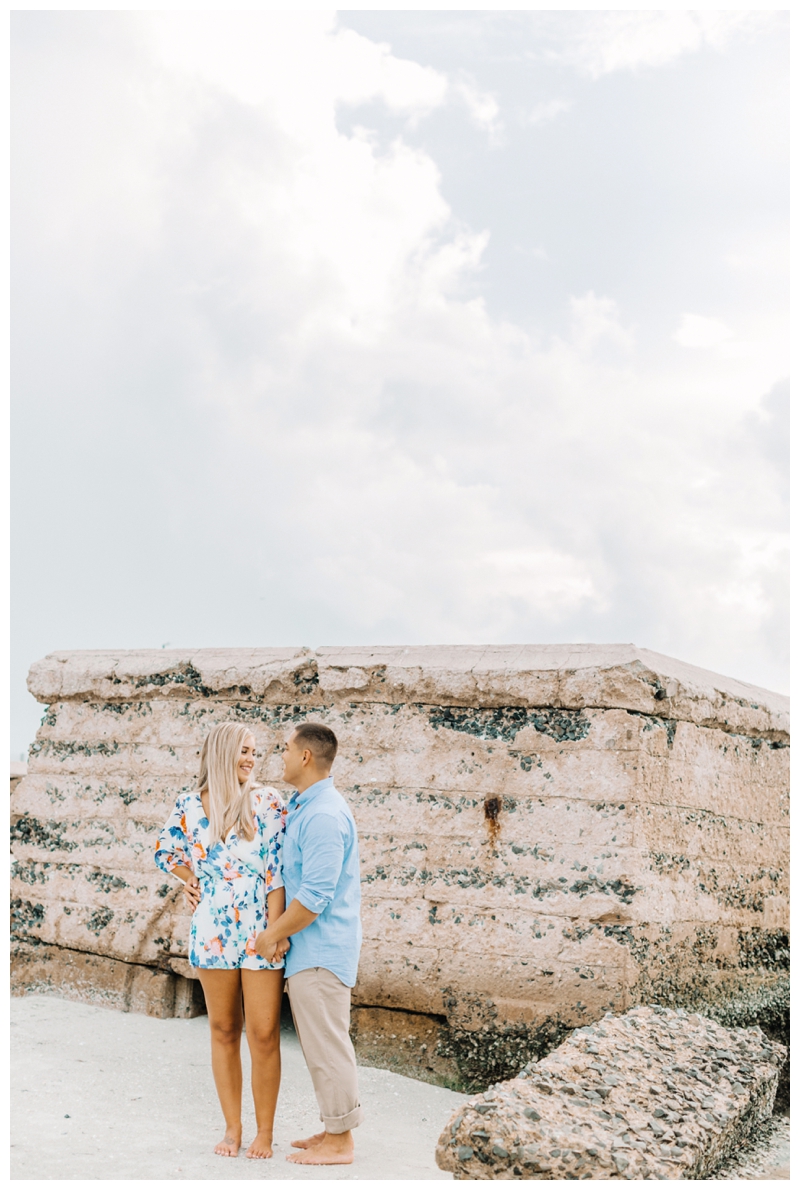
{"type": "Point", "coordinates": [272, 824]}
{"type": "Point", "coordinates": [191, 886]}
{"type": "Point", "coordinates": [276, 904]}
{"type": "Point", "coordinates": [173, 852]}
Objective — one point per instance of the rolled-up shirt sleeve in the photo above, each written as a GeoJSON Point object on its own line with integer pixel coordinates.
{"type": "Point", "coordinates": [323, 846]}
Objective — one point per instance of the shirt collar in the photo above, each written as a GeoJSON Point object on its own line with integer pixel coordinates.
{"type": "Point", "coordinates": [312, 791]}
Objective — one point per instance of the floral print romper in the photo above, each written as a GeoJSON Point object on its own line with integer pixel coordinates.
{"type": "Point", "coordinates": [235, 877]}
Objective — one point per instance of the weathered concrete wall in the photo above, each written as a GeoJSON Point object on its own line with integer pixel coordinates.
{"type": "Point", "coordinates": [547, 832]}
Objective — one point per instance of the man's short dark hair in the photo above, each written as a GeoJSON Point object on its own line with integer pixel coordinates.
{"type": "Point", "coordinates": [319, 740]}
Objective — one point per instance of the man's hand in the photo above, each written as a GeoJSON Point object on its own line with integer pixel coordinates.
{"type": "Point", "coordinates": [273, 952]}
{"type": "Point", "coordinates": [191, 892]}
{"type": "Point", "coordinates": [273, 942]}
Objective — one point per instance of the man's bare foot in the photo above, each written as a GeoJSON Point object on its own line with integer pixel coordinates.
{"type": "Point", "coordinates": [309, 1142]}
{"type": "Point", "coordinates": [261, 1146]}
{"type": "Point", "coordinates": [333, 1149]}
{"type": "Point", "coordinates": [230, 1144]}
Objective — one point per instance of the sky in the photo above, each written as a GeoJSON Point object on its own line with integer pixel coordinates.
{"type": "Point", "coordinates": [399, 328]}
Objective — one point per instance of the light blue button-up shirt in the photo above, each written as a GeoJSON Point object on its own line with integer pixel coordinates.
{"type": "Point", "coordinates": [320, 870]}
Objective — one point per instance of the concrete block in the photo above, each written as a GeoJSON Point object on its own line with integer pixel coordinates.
{"type": "Point", "coordinates": [650, 1094]}
{"type": "Point", "coordinates": [91, 979]}
{"type": "Point", "coordinates": [547, 833]}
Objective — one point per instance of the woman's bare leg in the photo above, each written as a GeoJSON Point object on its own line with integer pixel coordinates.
{"type": "Point", "coordinates": [263, 993]}
{"type": "Point", "coordinates": [223, 993]}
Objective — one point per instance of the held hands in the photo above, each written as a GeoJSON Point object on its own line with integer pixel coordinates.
{"type": "Point", "coordinates": [191, 892]}
{"type": "Point", "coordinates": [273, 952]}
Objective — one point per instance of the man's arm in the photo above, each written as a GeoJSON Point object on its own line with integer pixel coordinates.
{"type": "Point", "coordinates": [295, 919]}
{"type": "Point", "coordinates": [323, 855]}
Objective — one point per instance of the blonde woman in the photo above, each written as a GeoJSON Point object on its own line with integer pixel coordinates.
{"type": "Point", "coordinates": [224, 840]}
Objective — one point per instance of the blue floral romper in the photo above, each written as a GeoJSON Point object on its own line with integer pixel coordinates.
{"type": "Point", "coordinates": [235, 877]}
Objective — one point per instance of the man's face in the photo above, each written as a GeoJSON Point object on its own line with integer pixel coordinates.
{"type": "Point", "coordinates": [293, 760]}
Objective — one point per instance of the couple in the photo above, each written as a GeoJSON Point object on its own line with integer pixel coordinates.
{"type": "Point", "coordinates": [275, 893]}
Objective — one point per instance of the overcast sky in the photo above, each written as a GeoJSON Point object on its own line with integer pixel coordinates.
{"type": "Point", "coordinates": [400, 328]}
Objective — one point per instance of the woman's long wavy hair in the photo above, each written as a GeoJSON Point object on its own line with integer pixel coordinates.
{"type": "Point", "coordinates": [230, 804]}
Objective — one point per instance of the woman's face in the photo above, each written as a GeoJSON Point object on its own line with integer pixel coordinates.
{"type": "Point", "coordinates": [247, 759]}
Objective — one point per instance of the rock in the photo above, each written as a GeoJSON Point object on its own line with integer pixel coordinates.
{"type": "Point", "coordinates": [547, 833]}
{"type": "Point", "coordinates": [765, 1158]}
{"type": "Point", "coordinates": [546, 1123]}
{"type": "Point", "coordinates": [97, 979]}
{"type": "Point", "coordinates": [405, 1042]}
{"type": "Point", "coordinates": [19, 769]}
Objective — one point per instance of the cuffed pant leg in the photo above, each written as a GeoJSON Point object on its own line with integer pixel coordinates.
{"type": "Point", "coordinates": [321, 1010]}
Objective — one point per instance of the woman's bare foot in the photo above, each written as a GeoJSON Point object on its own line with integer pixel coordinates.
{"type": "Point", "coordinates": [309, 1142]}
{"type": "Point", "coordinates": [230, 1144]}
{"type": "Point", "coordinates": [261, 1146]}
{"type": "Point", "coordinates": [333, 1149]}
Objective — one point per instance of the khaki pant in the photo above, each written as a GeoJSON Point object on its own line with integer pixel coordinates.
{"type": "Point", "coordinates": [321, 1010]}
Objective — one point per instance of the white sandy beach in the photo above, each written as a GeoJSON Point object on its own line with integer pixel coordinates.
{"type": "Point", "coordinates": [100, 1094]}
{"type": "Point", "coordinates": [105, 1094]}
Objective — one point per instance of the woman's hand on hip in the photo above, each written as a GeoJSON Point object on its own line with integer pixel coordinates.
{"type": "Point", "coordinates": [191, 892]}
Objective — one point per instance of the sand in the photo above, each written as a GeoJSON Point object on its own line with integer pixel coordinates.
{"type": "Point", "coordinates": [99, 1093]}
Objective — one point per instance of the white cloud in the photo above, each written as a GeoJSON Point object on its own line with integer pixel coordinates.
{"type": "Point", "coordinates": [548, 581]}
{"type": "Point", "coordinates": [543, 113]}
{"type": "Point", "coordinates": [760, 257]}
{"type": "Point", "coordinates": [747, 589]}
{"type": "Point", "coordinates": [603, 42]}
{"type": "Point", "coordinates": [596, 320]}
{"type": "Point", "coordinates": [482, 107]}
{"type": "Point", "coordinates": [298, 64]}
{"type": "Point", "coordinates": [267, 349]}
{"type": "Point", "coordinates": [695, 330]}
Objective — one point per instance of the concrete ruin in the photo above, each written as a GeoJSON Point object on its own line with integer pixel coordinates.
{"type": "Point", "coordinates": [653, 1093]}
{"type": "Point", "coordinates": [548, 833]}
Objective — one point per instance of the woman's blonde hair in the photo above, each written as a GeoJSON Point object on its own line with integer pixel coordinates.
{"type": "Point", "coordinates": [230, 804]}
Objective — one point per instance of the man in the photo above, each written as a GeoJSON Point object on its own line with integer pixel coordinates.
{"type": "Point", "coordinates": [322, 918]}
